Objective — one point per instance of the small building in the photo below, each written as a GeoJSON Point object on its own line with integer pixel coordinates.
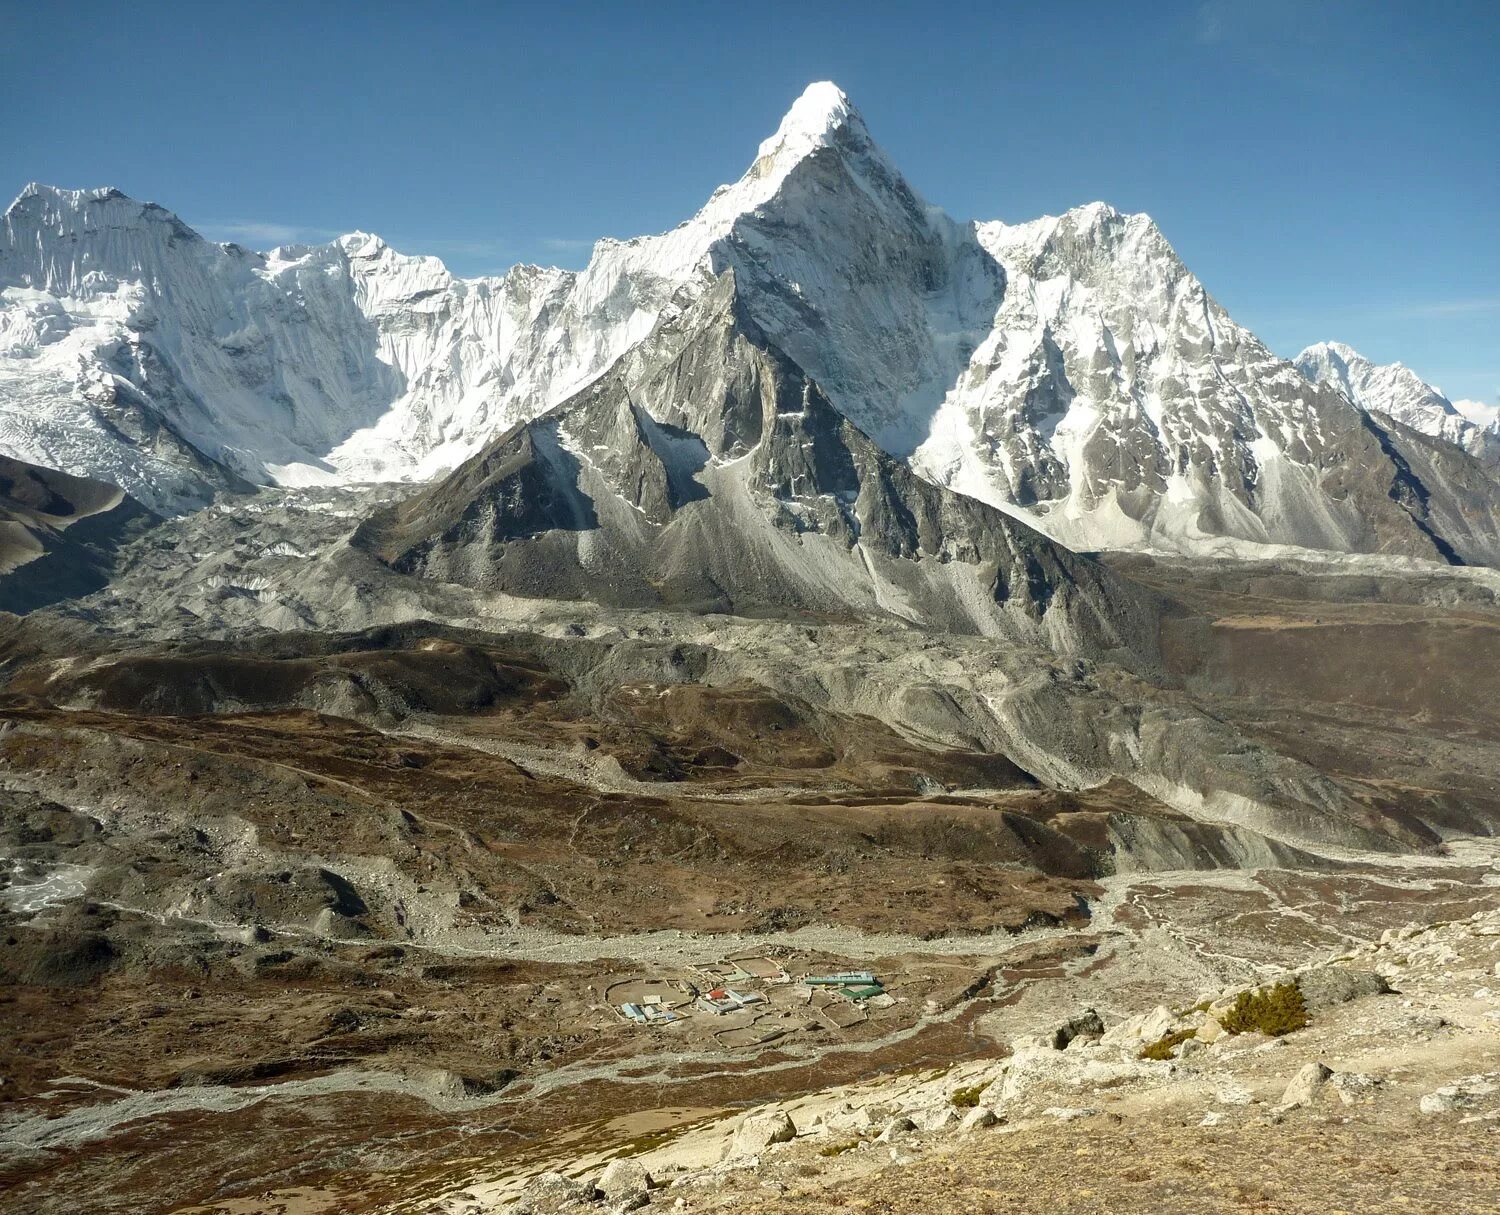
{"type": "Point", "coordinates": [723, 1000]}
{"type": "Point", "coordinates": [648, 1012]}
{"type": "Point", "coordinates": [845, 978]}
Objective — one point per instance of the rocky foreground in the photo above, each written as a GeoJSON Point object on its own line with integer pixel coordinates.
{"type": "Point", "coordinates": [1366, 1082]}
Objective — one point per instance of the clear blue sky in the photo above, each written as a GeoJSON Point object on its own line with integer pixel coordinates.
{"type": "Point", "coordinates": [1329, 169]}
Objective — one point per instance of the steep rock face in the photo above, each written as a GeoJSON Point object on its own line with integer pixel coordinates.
{"type": "Point", "coordinates": [1118, 404]}
{"type": "Point", "coordinates": [133, 349]}
{"type": "Point", "coordinates": [1448, 494]}
{"type": "Point", "coordinates": [879, 296]}
{"type": "Point", "coordinates": [1399, 393]}
{"type": "Point", "coordinates": [135, 343]}
{"type": "Point", "coordinates": [708, 470]}
{"type": "Point", "coordinates": [450, 343]}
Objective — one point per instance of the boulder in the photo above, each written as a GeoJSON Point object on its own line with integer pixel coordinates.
{"type": "Point", "coordinates": [1210, 1031]}
{"type": "Point", "coordinates": [760, 1131]}
{"type": "Point", "coordinates": [547, 1193]}
{"type": "Point", "coordinates": [623, 1178]}
{"type": "Point", "coordinates": [1354, 1087]}
{"type": "Point", "coordinates": [895, 1129]}
{"type": "Point", "coordinates": [978, 1119]}
{"type": "Point", "coordinates": [1329, 986]}
{"type": "Point", "coordinates": [847, 1118]}
{"type": "Point", "coordinates": [1087, 1024]}
{"type": "Point", "coordinates": [1146, 1027]}
{"type": "Point", "coordinates": [1157, 1024]}
{"type": "Point", "coordinates": [1306, 1085]}
{"type": "Point", "coordinates": [1463, 1095]}
{"type": "Point", "coordinates": [1445, 1100]}
{"type": "Point", "coordinates": [1097, 1073]}
{"type": "Point", "coordinates": [940, 1119]}
{"type": "Point", "coordinates": [1038, 1066]}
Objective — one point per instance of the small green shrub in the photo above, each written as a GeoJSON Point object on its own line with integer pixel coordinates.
{"type": "Point", "coordinates": [1276, 1011]}
{"type": "Point", "coordinates": [1161, 1050]}
{"type": "Point", "coordinates": [968, 1098]}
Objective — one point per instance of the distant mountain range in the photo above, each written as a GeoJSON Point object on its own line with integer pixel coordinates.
{"type": "Point", "coordinates": [1398, 392]}
{"type": "Point", "coordinates": [1070, 372]}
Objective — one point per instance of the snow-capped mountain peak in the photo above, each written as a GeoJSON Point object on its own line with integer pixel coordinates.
{"type": "Point", "coordinates": [39, 199]}
{"type": "Point", "coordinates": [1391, 388]}
{"type": "Point", "coordinates": [814, 121]}
{"type": "Point", "coordinates": [1394, 390]}
{"type": "Point", "coordinates": [353, 360]}
{"type": "Point", "coordinates": [361, 244]}
{"type": "Point", "coordinates": [1118, 404]}
{"type": "Point", "coordinates": [1070, 369]}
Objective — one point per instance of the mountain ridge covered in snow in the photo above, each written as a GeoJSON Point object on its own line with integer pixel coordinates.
{"type": "Point", "coordinates": [1070, 370]}
{"type": "Point", "coordinates": [1398, 392]}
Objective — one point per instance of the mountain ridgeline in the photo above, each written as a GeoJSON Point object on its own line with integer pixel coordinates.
{"type": "Point", "coordinates": [706, 470]}
{"type": "Point", "coordinates": [1070, 370]}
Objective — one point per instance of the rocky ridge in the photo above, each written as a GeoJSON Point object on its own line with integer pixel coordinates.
{"type": "Point", "coordinates": [60, 535]}
{"type": "Point", "coordinates": [707, 470]}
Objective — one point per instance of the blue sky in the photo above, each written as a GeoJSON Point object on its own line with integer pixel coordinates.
{"type": "Point", "coordinates": [1329, 168]}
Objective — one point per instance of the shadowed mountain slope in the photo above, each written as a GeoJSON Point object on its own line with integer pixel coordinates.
{"type": "Point", "coordinates": [707, 471]}
{"type": "Point", "coordinates": [59, 534]}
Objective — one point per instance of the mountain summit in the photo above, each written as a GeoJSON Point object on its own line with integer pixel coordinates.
{"type": "Point", "coordinates": [1070, 369]}
{"type": "Point", "coordinates": [817, 118]}
{"type": "Point", "coordinates": [1399, 393]}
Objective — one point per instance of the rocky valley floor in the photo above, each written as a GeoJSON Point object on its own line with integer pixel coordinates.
{"type": "Point", "coordinates": [316, 1076]}
{"type": "Point", "coordinates": [328, 888]}
{"type": "Point", "coordinates": [1386, 1099]}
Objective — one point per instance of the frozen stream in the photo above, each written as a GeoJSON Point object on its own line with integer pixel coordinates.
{"type": "Point", "coordinates": [34, 887]}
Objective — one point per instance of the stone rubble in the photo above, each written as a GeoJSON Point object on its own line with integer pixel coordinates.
{"type": "Point", "coordinates": [1385, 997]}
